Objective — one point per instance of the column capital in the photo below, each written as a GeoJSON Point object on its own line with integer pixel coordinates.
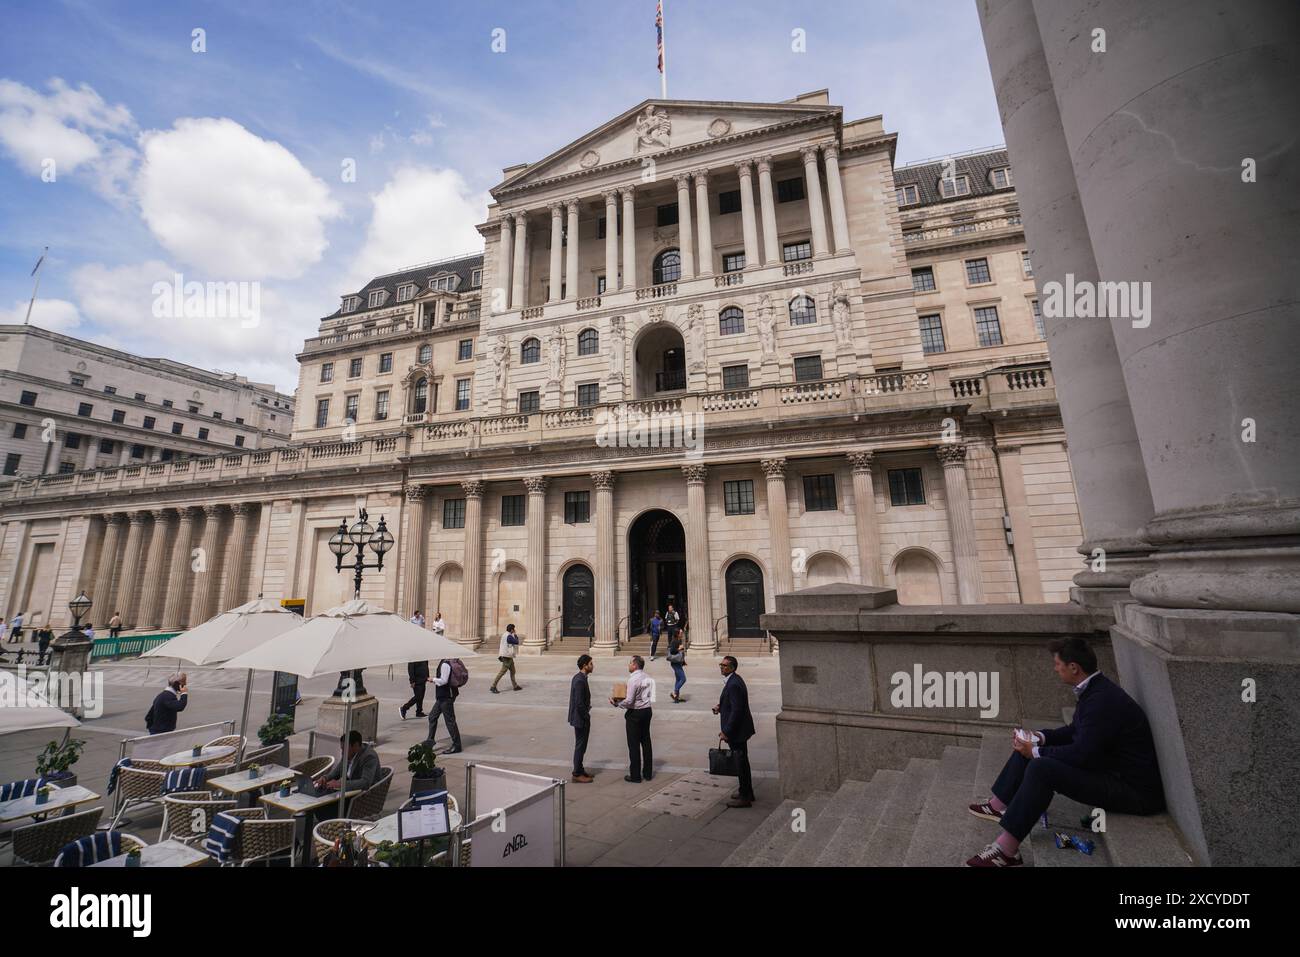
{"type": "Point", "coordinates": [241, 508]}
{"type": "Point", "coordinates": [765, 163]}
{"type": "Point", "coordinates": [773, 468]}
{"type": "Point", "coordinates": [115, 518]}
{"type": "Point", "coordinates": [212, 511]}
{"type": "Point", "coordinates": [604, 481]}
{"type": "Point", "coordinates": [572, 207]}
{"type": "Point", "coordinates": [695, 474]}
{"type": "Point", "coordinates": [506, 223]}
{"type": "Point", "coordinates": [610, 196]}
{"type": "Point", "coordinates": [861, 459]}
{"type": "Point", "coordinates": [520, 216]}
{"type": "Point", "coordinates": [536, 484]}
{"type": "Point", "coordinates": [417, 493]}
{"type": "Point", "coordinates": [628, 191]}
{"type": "Point", "coordinates": [830, 152]}
{"type": "Point", "coordinates": [557, 210]}
{"type": "Point", "coordinates": [951, 454]}
{"type": "Point", "coordinates": [186, 514]}
{"type": "Point", "coordinates": [701, 176]}
{"type": "Point", "coordinates": [745, 167]}
{"type": "Point", "coordinates": [160, 515]}
{"type": "Point", "coordinates": [473, 488]}
{"type": "Point", "coordinates": [809, 154]}
{"type": "Point", "coordinates": [683, 180]}
{"type": "Point", "coordinates": [138, 518]}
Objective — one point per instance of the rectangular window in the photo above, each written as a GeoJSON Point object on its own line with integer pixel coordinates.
{"type": "Point", "coordinates": [167, 403]}
{"type": "Point", "coordinates": [1026, 265]}
{"type": "Point", "coordinates": [729, 202]}
{"type": "Point", "coordinates": [589, 394]}
{"type": "Point", "coordinates": [377, 298]}
{"type": "Point", "coordinates": [795, 252]}
{"type": "Point", "coordinates": [217, 415]}
{"type": "Point", "coordinates": [957, 186]}
{"type": "Point", "coordinates": [735, 377]}
{"type": "Point", "coordinates": [514, 509]}
{"type": "Point", "coordinates": [110, 390]}
{"type": "Point", "coordinates": [530, 402]}
{"type": "Point", "coordinates": [923, 279]}
{"type": "Point", "coordinates": [819, 493]}
{"type": "Point", "coordinates": [600, 285]}
{"type": "Point", "coordinates": [386, 362]}
{"type": "Point", "coordinates": [119, 416]}
{"type": "Point", "coordinates": [20, 430]}
{"type": "Point", "coordinates": [352, 408]}
{"type": "Point", "coordinates": [906, 195]}
{"type": "Point", "coordinates": [1038, 318]}
{"type": "Point", "coordinates": [238, 419]}
{"type": "Point", "coordinates": [322, 412]}
{"type": "Point", "coordinates": [78, 381]}
{"type": "Point", "coordinates": [354, 369]}
{"type": "Point", "coordinates": [194, 410]}
{"type": "Point", "coordinates": [178, 428]}
{"type": "Point", "coordinates": [84, 409]}
{"type": "Point", "coordinates": [405, 292]}
{"type": "Point", "coordinates": [789, 190]}
{"type": "Point", "coordinates": [137, 451]}
{"type": "Point", "coordinates": [381, 406]}
{"type": "Point", "coordinates": [577, 508]}
{"type": "Point", "coordinates": [977, 272]}
{"type": "Point", "coordinates": [11, 463]}
{"type": "Point", "coordinates": [139, 397]}
{"type": "Point", "coordinates": [666, 215]}
{"type": "Point", "coordinates": [1000, 178]}
{"type": "Point", "coordinates": [453, 513]}
{"type": "Point", "coordinates": [72, 441]}
{"type": "Point", "coordinates": [476, 278]}
{"type": "Point", "coordinates": [462, 395]}
{"type": "Point", "coordinates": [327, 372]}
{"type": "Point", "coordinates": [149, 421]}
{"type": "Point", "coordinates": [203, 434]}
{"type": "Point", "coordinates": [239, 441]}
{"type": "Point", "coordinates": [464, 350]}
{"type": "Point", "coordinates": [738, 497]}
{"type": "Point", "coordinates": [106, 446]}
{"type": "Point", "coordinates": [906, 487]}
{"type": "Point", "coordinates": [600, 228]}
{"type": "Point", "coordinates": [807, 368]}
{"type": "Point", "coordinates": [27, 398]}
{"type": "Point", "coordinates": [987, 326]}
{"type": "Point", "coordinates": [733, 262]}
{"type": "Point", "coordinates": [350, 303]}
{"type": "Point", "coordinates": [67, 467]}
{"type": "Point", "coordinates": [931, 334]}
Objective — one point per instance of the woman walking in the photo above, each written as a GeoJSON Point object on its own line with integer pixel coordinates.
{"type": "Point", "coordinates": [677, 659]}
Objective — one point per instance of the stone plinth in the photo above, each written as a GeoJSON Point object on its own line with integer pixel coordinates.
{"type": "Point", "coordinates": [332, 716]}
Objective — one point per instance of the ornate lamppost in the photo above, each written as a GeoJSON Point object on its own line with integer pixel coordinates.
{"type": "Point", "coordinates": [70, 652]}
{"type": "Point", "coordinates": [360, 536]}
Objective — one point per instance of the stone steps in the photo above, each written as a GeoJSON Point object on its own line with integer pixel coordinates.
{"type": "Point", "coordinates": [853, 832]}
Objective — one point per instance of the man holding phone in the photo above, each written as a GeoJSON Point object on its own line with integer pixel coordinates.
{"type": "Point", "coordinates": [170, 702]}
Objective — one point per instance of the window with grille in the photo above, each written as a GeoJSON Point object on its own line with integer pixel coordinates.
{"type": "Point", "coordinates": [464, 350]}
{"type": "Point", "coordinates": [738, 497]}
{"type": "Point", "coordinates": [167, 403]}
{"type": "Point", "coordinates": [377, 298]}
{"type": "Point", "coordinates": [729, 202]}
{"type": "Point", "coordinates": [110, 390]}
{"type": "Point", "coordinates": [803, 311]}
{"type": "Point", "coordinates": [1000, 178]}
{"type": "Point", "coordinates": [600, 285]}
{"type": "Point", "coordinates": [11, 463]}
{"type": "Point", "coordinates": [931, 334]}
{"type": "Point", "coordinates": [425, 354]}
{"type": "Point", "coordinates": [588, 342]}
{"type": "Point", "coordinates": [1026, 265]}
{"type": "Point", "coordinates": [530, 351]}
{"type": "Point", "coordinates": [731, 321]}
{"type": "Point", "coordinates": [119, 416]}
{"type": "Point", "coordinates": [405, 292]}
{"type": "Point", "coordinates": [666, 215]}
{"type": "Point", "coordinates": [1038, 318]}
{"type": "Point", "coordinates": [462, 395]}
{"type": "Point", "coordinates": [137, 451]}
{"type": "Point", "coordinates": [239, 441]}
{"type": "Point", "coordinates": [987, 326]}
{"type": "Point", "coordinates": [906, 487]}
{"type": "Point", "coordinates": [178, 428]}
{"type": "Point", "coordinates": [819, 493]}
{"type": "Point", "coordinates": [386, 362]}
{"type": "Point", "coordinates": [67, 467]}
{"type": "Point", "coordinates": [381, 406]}
{"type": "Point", "coordinates": [350, 303]}
{"type": "Point", "coordinates": [795, 252]}
{"type": "Point", "coordinates": [420, 398]}
{"type": "Point", "coordinates": [923, 279]}
{"type": "Point", "coordinates": [906, 195]}
{"type": "Point", "coordinates": [84, 409]}
{"type": "Point", "coordinates": [667, 266]}
{"type": "Point", "coordinates": [149, 421]}
{"type": "Point", "coordinates": [203, 435]}
{"type": "Point", "coordinates": [352, 408]}
{"type": "Point", "coordinates": [453, 513]}
{"type": "Point", "coordinates": [735, 377]}
{"type": "Point", "coordinates": [577, 508]}
{"type": "Point", "coordinates": [513, 509]}
{"type": "Point", "coordinates": [589, 394]}
{"type": "Point", "coordinates": [733, 262]}
{"type": "Point", "coordinates": [789, 190]}
{"type": "Point", "coordinates": [530, 402]}
{"type": "Point", "coordinates": [327, 372]}
{"type": "Point", "coordinates": [977, 271]}
{"type": "Point", "coordinates": [106, 446]}
{"type": "Point", "coordinates": [322, 413]}
{"type": "Point", "coordinates": [807, 368]}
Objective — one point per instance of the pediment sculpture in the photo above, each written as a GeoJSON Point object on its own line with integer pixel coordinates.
{"type": "Point", "coordinates": [653, 128]}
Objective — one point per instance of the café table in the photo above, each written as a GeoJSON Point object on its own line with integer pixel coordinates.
{"type": "Point", "coordinates": [299, 806]}
{"type": "Point", "coordinates": [386, 828]}
{"type": "Point", "coordinates": [167, 853]}
{"type": "Point", "coordinates": [239, 785]}
{"type": "Point", "coordinates": [60, 799]}
{"type": "Point", "coordinates": [188, 759]}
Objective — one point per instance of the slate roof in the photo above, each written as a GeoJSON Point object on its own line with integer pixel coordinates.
{"type": "Point", "coordinates": [925, 176]}
{"type": "Point", "coordinates": [420, 275]}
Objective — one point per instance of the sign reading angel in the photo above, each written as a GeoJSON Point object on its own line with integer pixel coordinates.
{"type": "Point", "coordinates": [653, 128]}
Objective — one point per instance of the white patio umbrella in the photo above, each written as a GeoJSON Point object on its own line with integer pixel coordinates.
{"type": "Point", "coordinates": [23, 708]}
{"type": "Point", "coordinates": [354, 635]}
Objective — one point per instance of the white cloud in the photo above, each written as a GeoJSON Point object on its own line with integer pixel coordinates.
{"type": "Point", "coordinates": [57, 315]}
{"type": "Point", "coordinates": [233, 205]}
{"type": "Point", "coordinates": [421, 214]}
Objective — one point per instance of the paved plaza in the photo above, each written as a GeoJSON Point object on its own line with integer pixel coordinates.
{"type": "Point", "coordinates": [678, 819]}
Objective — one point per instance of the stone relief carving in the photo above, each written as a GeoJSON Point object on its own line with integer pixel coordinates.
{"type": "Point", "coordinates": [767, 324]}
{"type": "Point", "coordinates": [695, 337]}
{"type": "Point", "coordinates": [617, 348]}
{"type": "Point", "coordinates": [500, 365]}
{"type": "Point", "coordinates": [719, 127]}
{"type": "Point", "coordinates": [557, 357]}
{"type": "Point", "coordinates": [840, 315]}
{"type": "Point", "coordinates": [653, 129]}
{"type": "Point", "coordinates": [589, 159]}
{"type": "Point", "coordinates": [656, 312]}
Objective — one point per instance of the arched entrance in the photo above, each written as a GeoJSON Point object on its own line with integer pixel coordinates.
{"type": "Point", "coordinates": [744, 599]}
{"type": "Point", "coordinates": [660, 358]}
{"type": "Point", "coordinates": [579, 601]}
{"type": "Point", "coordinates": [656, 550]}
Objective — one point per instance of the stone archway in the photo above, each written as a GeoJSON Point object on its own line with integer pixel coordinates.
{"type": "Point", "coordinates": [917, 578]}
{"type": "Point", "coordinates": [826, 568]}
{"type": "Point", "coordinates": [659, 359]}
{"type": "Point", "coordinates": [656, 549]}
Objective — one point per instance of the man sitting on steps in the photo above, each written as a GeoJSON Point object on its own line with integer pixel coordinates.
{"type": "Point", "coordinates": [1104, 758]}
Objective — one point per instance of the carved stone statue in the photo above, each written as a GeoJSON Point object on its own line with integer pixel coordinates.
{"type": "Point", "coordinates": [557, 355]}
{"type": "Point", "coordinates": [840, 314]}
{"type": "Point", "coordinates": [695, 336]}
{"type": "Point", "coordinates": [617, 348]}
{"type": "Point", "coordinates": [767, 324]}
{"type": "Point", "coordinates": [653, 128]}
{"type": "Point", "coordinates": [500, 364]}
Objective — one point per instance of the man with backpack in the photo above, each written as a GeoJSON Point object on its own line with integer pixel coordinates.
{"type": "Point", "coordinates": [506, 655]}
{"type": "Point", "coordinates": [451, 677]}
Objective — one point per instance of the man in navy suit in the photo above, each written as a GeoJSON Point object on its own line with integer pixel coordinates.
{"type": "Point", "coordinates": [580, 716]}
{"type": "Point", "coordinates": [1105, 757]}
{"type": "Point", "coordinates": [737, 727]}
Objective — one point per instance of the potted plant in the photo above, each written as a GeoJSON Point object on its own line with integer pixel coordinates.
{"type": "Point", "coordinates": [133, 857]}
{"type": "Point", "coordinates": [285, 789]}
{"type": "Point", "coordinates": [53, 763]}
{"type": "Point", "coordinates": [253, 771]}
{"type": "Point", "coordinates": [277, 730]}
{"type": "Point", "coordinates": [43, 794]}
{"type": "Point", "coordinates": [425, 774]}
{"type": "Point", "coordinates": [197, 750]}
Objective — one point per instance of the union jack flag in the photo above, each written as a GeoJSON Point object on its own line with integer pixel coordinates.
{"type": "Point", "coordinates": [659, 32]}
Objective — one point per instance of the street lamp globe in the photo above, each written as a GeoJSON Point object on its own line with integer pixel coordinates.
{"type": "Point", "coordinates": [382, 539]}
{"type": "Point", "coordinates": [361, 531]}
{"type": "Point", "coordinates": [339, 543]}
{"type": "Point", "coordinates": [79, 606]}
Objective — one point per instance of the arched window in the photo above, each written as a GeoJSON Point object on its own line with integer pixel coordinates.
{"type": "Point", "coordinates": [420, 399]}
{"type": "Point", "coordinates": [731, 321]}
{"type": "Point", "coordinates": [426, 354]}
{"type": "Point", "coordinates": [668, 267]}
{"type": "Point", "coordinates": [803, 311]}
{"type": "Point", "coordinates": [588, 342]}
{"type": "Point", "coordinates": [530, 351]}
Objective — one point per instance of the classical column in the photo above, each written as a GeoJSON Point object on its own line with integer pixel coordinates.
{"type": "Point", "coordinates": [92, 445]}
{"type": "Point", "coordinates": [535, 612]}
{"type": "Point", "coordinates": [629, 236]}
{"type": "Point", "coordinates": [771, 248]}
{"type": "Point", "coordinates": [1022, 525]}
{"type": "Point", "coordinates": [235, 592]}
{"type": "Point", "coordinates": [471, 598]}
{"type": "Point", "coordinates": [571, 266]}
{"type": "Point", "coordinates": [126, 600]}
{"type": "Point", "coordinates": [606, 565]}
{"type": "Point", "coordinates": [778, 516]}
{"type": "Point", "coordinates": [174, 608]}
{"type": "Point", "coordinates": [204, 604]}
{"type": "Point", "coordinates": [413, 552]}
{"type": "Point", "coordinates": [816, 214]}
{"type": "Point", "coordinates": [611, 241]}
{"type": "Point", "coordinates": [839, 213]}
{"type": "Point", "coordinates": [749, 225]}
{"type": "Point", "coordinates": [519, 266]}
{"type": "Point", "coordinates": [149, 616]}
{"type": "Point", "coordinates": [702, 213]}
{"type": "Point", "coordinates": [699, 572]}
{"type": "Point", "coordinates": [684, 225]}
{"type": "Point", "coordinates": [557, 252]}
{"type": "Point", "coordinates": [961, 523]}
{"type": "Point", "coordinates": [102, 596]}
{"type": "Point", "coordinates": [506, 280]}
{"type": "Point", "coordinates": [864, 518]}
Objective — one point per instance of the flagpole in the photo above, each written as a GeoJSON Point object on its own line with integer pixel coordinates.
{"type": "Point", "coordinates": [663, 40]}
{"type": "Point", "coordinates": [35, 286]}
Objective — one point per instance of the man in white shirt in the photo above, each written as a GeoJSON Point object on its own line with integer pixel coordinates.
{"type": "Point", "coordinates": [637, 705]}
{"type": "Point", "coordinates": [439, 626]}
{"type": "Point", "coordinates": [506, 655]}
{"type": "Point", "coordinates": [444, 706]}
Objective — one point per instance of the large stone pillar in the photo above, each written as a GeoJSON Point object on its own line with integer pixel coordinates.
{"type": "Point", "coordinates": [127, 599]}
{"type": "Point", "coordinates": [208, 575]}
{"type": "Point", "coordinates": [92, 445]}
{"type": "Point", "coordinates": [778, 515]}
{"type": "Point", "coordinates": [571, 266]}
{"type": "Point", "coordinates": [864, 518]}
{"type": "Point", "coordinates": [606, 566]}
{"type": "Point", "coordinates": [506, 279]}
{"type": "Point", "coordinates": [748, 222]}
{"type": "Point", "coordinates": [413, 552]}
{"type": "Point", "coordinates": [961, 523]}
{"type": "Point", "coordinates": [704, 216]}
{"type": "Point", "coordinates": [149, 616]}
{"type": "Point", "coordinates": [629, 236]}
{"type": "Point", "coordinates": [235, 591]}
{"type": "Point", "coordinates": [175, 610]}
{"type": "Point", "coordinates": [1023, 550]}
{"type": "Point", "coordinates": [534, 642]}
{"type": "Point", "coordinates": [557, 252]}
{"type": "Point", "coordinates": [699, 569]}
{"type": "Point", "coordinates": [816, 212]}
{"type": "Point", "coordinates": [839, 212]}
{"type": "Point", "coordinates": [684, 230]}
{"type": "Point", "coordinates": [519, 266]}
{"type": "Point", "coordinates": [1109, 475]}
{"type": "Point", "coordinates": [471, 597]}
{"type": "Point", "coordinates": [611, 241]}
{"type": "Point", "coordinates": [109, 559]}
{"type": "Point", "coordinates": [766, 200]}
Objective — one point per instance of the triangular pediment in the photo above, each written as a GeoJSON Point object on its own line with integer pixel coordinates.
{"type": "Point", "coordinates": [655, 127]}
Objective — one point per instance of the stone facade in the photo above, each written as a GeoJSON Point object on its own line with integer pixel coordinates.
{"type": "Point", "coordinates": [687, 366]}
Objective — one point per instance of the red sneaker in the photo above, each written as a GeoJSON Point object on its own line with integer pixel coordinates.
{"type": "Point", "coordinates": [985, 811]}
{"type": "Point", "coordinates": [992, 856]}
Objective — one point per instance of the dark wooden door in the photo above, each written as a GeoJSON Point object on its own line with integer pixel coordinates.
{"type": "Point", "coordinates": [744, 599]}
{"type": "Point", "coordinates": [579, 601]}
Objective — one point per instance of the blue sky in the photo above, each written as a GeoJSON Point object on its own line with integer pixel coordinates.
{"type": "Point", "coordinates": [227, 164]}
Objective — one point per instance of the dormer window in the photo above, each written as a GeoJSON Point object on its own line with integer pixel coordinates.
{"type": "Point", "coordinates": [1000, 178]}
{"type": "Point", "coordinates": [443, 283]}
{"type": "Point", "coordinates": [377, 298]}
{"type": "Point", "coordinates": [476, 278]}
{"type": "Point", "coordinates": [406, 292]}
{"type": "Point", "coordinates": [954, 186]}
{"type": "Point", "coordinates": [350, 303]}
{"type": "Point", "coordinates": [906, 195]}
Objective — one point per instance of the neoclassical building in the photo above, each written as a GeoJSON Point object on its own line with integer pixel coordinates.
{"type": "Point", "coordinates": [711, 351]}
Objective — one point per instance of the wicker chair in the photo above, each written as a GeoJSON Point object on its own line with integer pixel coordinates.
{"type": "Point", "coordinates": [258, 755]}
{"type": "Point", "coordinates": [179, 815]}
{"type": "Point", "coordinates": [260, 839]}
{"type": "Point", "coordinates": [369, 804]}
{"type": "Point", "coordinates": [136, 788]}
{"type": "Point", "coordinates": [314, 767]}
{"type": "Point", "coordinates": [129, 843]}
{"type": "Point", "coordinates": [327, 832]}
{"type": "Point", "coordinates": [40, 844]}
{"type": "Point", "coordinates": [229, 740]}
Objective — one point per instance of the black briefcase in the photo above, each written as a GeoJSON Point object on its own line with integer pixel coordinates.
{"type": "Point", "coordinates": [723, 761]}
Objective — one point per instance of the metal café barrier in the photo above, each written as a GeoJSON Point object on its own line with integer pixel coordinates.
{"type": "Point", "coordinates": [124, 647]}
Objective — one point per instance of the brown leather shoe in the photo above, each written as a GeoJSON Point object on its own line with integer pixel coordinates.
{"type": "Point", "coordinates": [583, 779]}
{"type": "Point", "coordinates": [740, 802]}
